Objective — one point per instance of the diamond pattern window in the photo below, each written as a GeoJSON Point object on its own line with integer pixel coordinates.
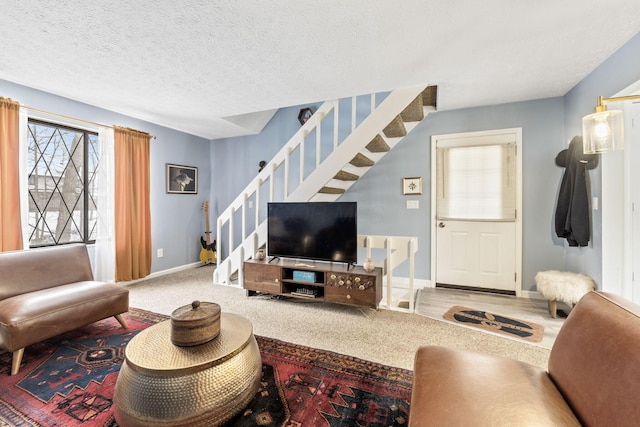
{"type": "Point", "coordinates": [62, 163]}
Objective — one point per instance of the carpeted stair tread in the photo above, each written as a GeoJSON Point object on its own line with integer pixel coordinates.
{"type": "Point", "coordinates": [413, 112]}
{"type": "Point", "coordinates": [331, 190]}
{"type": "Point", "coordinates": [396, 128]}
{"type": "Point", "coordinates": [346, 176]}
{"type": "Point", "coordinates": [378, 145]}
{"type": "Point", "coordinates": [430, 97]}
{"type": "Point", "coordinates": [360, 160]}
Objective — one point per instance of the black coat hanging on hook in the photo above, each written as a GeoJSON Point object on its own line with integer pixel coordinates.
{"type": "Point", "coordinates": [573, 220]}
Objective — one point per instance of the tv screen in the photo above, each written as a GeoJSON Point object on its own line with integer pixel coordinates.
{"type": "Point", "coordinates": [324, 231]}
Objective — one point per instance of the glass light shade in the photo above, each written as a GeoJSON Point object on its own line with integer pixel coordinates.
{"type": "Point", "coordinates": [602, 132]}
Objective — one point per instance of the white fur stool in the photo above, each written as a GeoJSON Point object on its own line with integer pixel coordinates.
{"type": "Point", "coordinates": [563, 286]}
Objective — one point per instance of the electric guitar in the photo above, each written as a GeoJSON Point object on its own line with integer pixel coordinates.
{"type": "Point", "coordinates": [208, 251]}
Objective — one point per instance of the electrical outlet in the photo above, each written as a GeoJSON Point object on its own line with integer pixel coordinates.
{"type": "Point", "coordinates": [160, 253]}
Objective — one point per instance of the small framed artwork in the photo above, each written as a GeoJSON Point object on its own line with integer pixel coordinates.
{"type": "Point", "coordinates": [304, 115]}
{"type": "Point", "coordinates": [411, 185]}
{"type": "Point", "coordinates": [181, 179]}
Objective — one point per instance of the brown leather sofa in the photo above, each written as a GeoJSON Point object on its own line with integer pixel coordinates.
{"type": "Point", "coordinates": [593, 376]}
{"type": "Point", "coordinates": [49, 291]}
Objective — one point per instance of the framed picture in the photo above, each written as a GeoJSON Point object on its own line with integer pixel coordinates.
{"type": "Point", "coordinates": [411, 185]}
{"type": "Point", "coordinates": [304, 115]}
{"type": "Point", "coordinates": [181, 179]}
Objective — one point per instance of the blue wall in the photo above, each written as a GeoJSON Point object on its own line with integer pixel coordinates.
{"type": "Point", "coordinates": [177, 220]}
{"type": "Point", "coordinates": [618, 72]}
{"type": "Point", "coordinates": [225, 166]}
{"type": "Point", "coordinates": [548, 125]}
{"type": "Point", "coordinates": [381, 205]}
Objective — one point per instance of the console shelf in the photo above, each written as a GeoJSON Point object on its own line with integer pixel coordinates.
{"type": "Point", "coordinates": [320, 281]}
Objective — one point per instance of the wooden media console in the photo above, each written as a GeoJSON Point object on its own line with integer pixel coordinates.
{"type": "Point", "coordinates": [328, 282]}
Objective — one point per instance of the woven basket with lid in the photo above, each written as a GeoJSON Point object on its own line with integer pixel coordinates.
{"type": "Point", "coordinates": [162, 384]}
{"type": "Point", "coordinates": [195, 324]}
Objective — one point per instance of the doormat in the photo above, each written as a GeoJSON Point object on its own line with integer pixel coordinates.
{"type": "Point", "coordinates": [484, 320]}
{"type": "Point", "coordinates": [69, 381]}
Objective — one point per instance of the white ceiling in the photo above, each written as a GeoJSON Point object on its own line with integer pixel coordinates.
{"type": "Point", "coordinates": [189, 64]}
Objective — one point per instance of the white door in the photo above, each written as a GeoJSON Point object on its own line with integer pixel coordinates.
{"type": "Point", "coordinates": [634, 138]}
{"type": "Point", "coordinates": [620, 201]}
{"type": "Point", "coordinates": [477, 197]}
{"type": "Point", "coordinates": [476, 254]}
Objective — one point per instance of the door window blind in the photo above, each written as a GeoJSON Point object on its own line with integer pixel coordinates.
{"type": "Point", "coordinates": [477, 182]}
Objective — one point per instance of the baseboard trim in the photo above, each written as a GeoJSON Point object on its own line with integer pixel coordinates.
{"type": "Point", "coordinates": [403, 283]}
{"type": "Point", "coordinates": [163, 273]}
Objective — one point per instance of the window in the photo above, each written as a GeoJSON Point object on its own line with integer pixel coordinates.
{"type": "Point", "coordinates": [62, 164]}
{"type": "Point", "coordinates": [477, 182]}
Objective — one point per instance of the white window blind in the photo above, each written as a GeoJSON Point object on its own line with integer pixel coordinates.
{"type": "Point", "coordinates": [477, 182]}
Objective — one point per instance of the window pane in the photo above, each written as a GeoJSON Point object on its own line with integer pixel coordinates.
{"type": "Point", "coordinates": [57, 192]}
{"type": "Point", "coordinates": [477, 182]}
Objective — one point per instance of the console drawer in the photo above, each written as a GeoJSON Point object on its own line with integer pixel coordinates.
{"type": "Point", "coordinates": [353, 296]}
{"type": "Point", "coordinates": [262, 277]}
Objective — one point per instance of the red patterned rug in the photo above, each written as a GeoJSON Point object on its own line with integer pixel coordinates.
{"type": "Point", "coordinates": [69, 381]}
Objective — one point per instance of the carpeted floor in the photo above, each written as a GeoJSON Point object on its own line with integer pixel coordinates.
{"type": "Point", "coordinates": [381, 336]}
{"type": "Point", "coordinates": [70, 381]}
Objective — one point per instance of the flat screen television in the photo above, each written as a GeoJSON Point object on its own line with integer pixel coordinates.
{"type": "Point", "coordinates": [323, 231]}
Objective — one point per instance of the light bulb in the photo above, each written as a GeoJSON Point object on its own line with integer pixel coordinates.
{"type": "Point", "coordinates": [602, 130]}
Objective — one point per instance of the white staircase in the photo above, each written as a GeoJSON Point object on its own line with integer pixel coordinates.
{"type": "Point", "coordinates": [319, 163]}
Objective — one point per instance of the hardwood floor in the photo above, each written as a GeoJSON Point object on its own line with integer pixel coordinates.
{"type": "Point", "coordinates": [434, 302]}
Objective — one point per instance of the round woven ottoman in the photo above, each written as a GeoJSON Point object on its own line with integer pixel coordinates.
{"type": "Point", "coordinates": [161, 384]}
{"type": "Point", "coordinates": [563, 286]}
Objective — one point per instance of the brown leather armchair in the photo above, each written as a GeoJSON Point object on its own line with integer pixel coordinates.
{"type": "Point", "coordinates": [593, 376]}
{"type": "Point", "coordinates": [49, 291]}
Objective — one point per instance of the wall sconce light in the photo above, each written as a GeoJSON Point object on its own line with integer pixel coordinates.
{"type": "Point", "coordinates": [603, 130]}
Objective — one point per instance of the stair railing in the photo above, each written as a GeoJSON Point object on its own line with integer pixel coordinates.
{"type": "Point", "coordinates": [278, 180]}
{"type": "Point", "coordinates": [268, 176]}
{"type": "Point", "coordinates": [396, 250]}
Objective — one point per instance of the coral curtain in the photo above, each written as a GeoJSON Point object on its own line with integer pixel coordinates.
{"type": "Point", "coordinates": [10, 225]}
{"type": "Point", "coordinates": [132, 211]}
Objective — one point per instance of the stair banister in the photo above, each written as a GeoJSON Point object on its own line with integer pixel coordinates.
{"type": "Point", "coordinates": [356, 141]}
{"type": "Point", "coordinates": [370, 127]}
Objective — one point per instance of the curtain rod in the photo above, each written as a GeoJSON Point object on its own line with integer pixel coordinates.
{"type": "Point", "coordinates": [74, 119]}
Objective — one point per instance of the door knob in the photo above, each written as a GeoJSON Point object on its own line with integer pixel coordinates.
{"type": "Point", "coordinates": [441, 224]}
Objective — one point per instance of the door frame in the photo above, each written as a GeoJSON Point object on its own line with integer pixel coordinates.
{"type": "Point", "coordinates": [517, 135]}
{"type": "Point", "coordinates": [620, 193]}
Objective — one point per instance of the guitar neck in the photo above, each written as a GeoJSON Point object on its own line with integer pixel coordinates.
{"type": "Point", "coordinates": [207, 232]}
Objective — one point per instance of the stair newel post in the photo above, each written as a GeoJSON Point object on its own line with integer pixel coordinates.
{"type": "Point", "coordinates": [231, 243]}
{"type": "Point", "coordinates": [373, 102]}
{"type": "Point", "coordinates": [219, 248]}
{"type": "Point", "coordinates": [271, 182]}
{"type": "Point", "coordinates": [412, 266]}
{"type": "Point", "coordinates": [387, 268]}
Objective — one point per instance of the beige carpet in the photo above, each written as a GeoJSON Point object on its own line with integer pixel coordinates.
{"type": "Point", "coordinates": [381, 336]}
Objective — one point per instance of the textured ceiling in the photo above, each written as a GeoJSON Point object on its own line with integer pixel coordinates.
{"type": "Point", "coordinates": [205, 67]}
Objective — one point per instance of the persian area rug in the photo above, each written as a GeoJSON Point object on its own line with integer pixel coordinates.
{"type": "Point", "coordinates": [69, 381]}
{"type": "Point", "coordinates": [495, 323]}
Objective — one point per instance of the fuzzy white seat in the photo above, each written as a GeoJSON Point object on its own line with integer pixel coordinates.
{"type": "Point", "coordinates": [563, 286]}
